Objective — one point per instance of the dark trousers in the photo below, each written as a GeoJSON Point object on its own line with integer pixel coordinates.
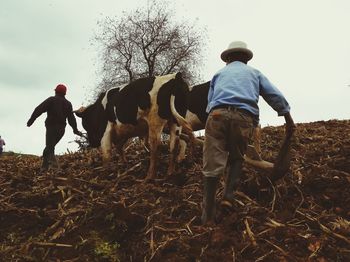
{"type": "Point", "coordinates": [53, 136]}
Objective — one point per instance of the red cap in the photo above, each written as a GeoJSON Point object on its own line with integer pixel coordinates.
{"type": "Point", "coordinates": [62, 89]}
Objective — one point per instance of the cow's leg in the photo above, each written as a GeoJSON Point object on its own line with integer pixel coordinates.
{"type": "Point", "coordinates": [155, 129]}
{"type": "Point", "coordinates": [118, 142]}
{"type": "Point", "coordinates": [145, 141]}
{"type": "Point", "coordinates": [106, 143]}
{"type": "Point", "coordinates": [120, 136]}
{"type": "Point", "coordinates": [182, 150]}
{"type": "Point", "coordinates": [187, 139]}
{"type": "Point", "coordinates": [119, 146]}
{"type": "Point", "coordinates": [173, 145]}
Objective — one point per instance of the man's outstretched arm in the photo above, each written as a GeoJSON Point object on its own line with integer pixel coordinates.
{"type": "Point", "coordinates": [42, 108]}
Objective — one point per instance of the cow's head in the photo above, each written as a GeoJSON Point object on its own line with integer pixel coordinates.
{"type": "Point", "coordinates": [94, 121]}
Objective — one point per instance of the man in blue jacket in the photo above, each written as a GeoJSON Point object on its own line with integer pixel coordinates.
{"type": "Point", "coordinates": [233, 110]}
{"type": "Point", "coordinates": [58, 109]}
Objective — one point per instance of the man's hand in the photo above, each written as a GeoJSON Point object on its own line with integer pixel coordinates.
{"type": "Point", "coordinates": [30, 122]}
{"type": "Point", "coordinates": [290, 126]}
{"type": "Point", "coordinates": [77, 132]}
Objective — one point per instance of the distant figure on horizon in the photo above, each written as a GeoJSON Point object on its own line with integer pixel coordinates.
{"type": "Point", "coordinates": [233, 109]}
{"type": "Point", "coordinates": [2, 143]}
{"type": "Point", "coordinates": [58, 109]}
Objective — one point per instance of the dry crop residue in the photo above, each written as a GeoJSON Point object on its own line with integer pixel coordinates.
{"type": "Point", "coordinates": [86, 212]}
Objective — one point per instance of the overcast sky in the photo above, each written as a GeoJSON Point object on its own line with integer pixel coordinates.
{"type": "Point", "coordinates": [303, 47]}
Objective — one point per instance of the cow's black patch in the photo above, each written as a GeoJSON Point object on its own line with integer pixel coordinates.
{"type": "Point", "coordinates": [112, 97]}
{"type": "Point", "coordinates": [94, 121]}
{"type": "Point", "coordinates": [198, 101]}
{"type": "Point", "coordinates": [131, 97]}
{"type": "Point", "coordinates": [177, 87]}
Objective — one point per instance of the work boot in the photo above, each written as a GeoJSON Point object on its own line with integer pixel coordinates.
{"type": "Point", "coordinates": [209, 199]}
{"type": "Point", "coordinates": [232, 180]}
{"type": "Point", "coordinates": [45, 164]}
{"type": "Point", "coordinates": [53, 162]}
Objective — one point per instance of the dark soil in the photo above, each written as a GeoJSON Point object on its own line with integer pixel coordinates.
{"type": "Point", "coordinates": [89, 212]}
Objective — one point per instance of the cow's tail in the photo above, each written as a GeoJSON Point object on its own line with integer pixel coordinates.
{"type": "Point", "coordinates": [180, 119]}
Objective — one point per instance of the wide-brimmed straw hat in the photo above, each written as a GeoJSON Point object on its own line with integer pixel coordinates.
{"type": "Point", "coordinates": [236, 47]}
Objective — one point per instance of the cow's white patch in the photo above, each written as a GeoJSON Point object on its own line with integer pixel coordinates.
{"type": "Point", "coordinates": [118, 122]}
{"type": "Point", "coordinates": [182, 151]}
{"type": "Point", "coordinates": [105, 100]}
{"type": "Point", "coordinates": [141, 113]}
{"type": "Point", "coordinates": [159, 81]}
{"type": "Point", "coordinates": [121, 87]}
{"type": "Point", "coordinates": [106, 142]}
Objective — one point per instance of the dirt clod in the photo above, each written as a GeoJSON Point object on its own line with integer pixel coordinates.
{"type": "Point", "coordinates": [89, 212]}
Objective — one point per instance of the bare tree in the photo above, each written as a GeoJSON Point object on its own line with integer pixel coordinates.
{"type": "Point", "coordinates": [149, 41]}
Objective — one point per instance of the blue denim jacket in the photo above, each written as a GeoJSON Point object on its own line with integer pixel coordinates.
{"type": "Point", "coordinates": [240, 85]}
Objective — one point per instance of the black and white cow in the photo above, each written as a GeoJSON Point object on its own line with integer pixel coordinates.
{"type": "Point", "coordinates": [140, 108]}
{"type": "Point", "coordinates": [196, 114]}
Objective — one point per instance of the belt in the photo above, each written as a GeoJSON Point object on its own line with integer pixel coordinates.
{"type": "Point", "coordinates": [234, 109]}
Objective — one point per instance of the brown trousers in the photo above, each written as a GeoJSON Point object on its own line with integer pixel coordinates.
{"type": "Point", "coordinates": [227, 134]}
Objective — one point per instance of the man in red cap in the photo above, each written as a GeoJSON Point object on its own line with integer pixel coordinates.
{"type": "Point", "coordinates": [58, 109]}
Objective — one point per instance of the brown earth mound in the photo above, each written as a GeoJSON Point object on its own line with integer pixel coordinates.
{"type": "Point", "coordinates": [86, 212]}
